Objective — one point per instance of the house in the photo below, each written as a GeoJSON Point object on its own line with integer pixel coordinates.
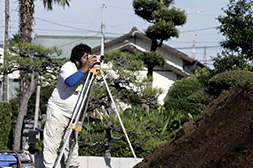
{"type": "Point", "coordinates": [177, 66]}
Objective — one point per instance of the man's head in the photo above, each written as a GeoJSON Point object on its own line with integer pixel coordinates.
{"type": "Point", "coordinates": [78, 52]}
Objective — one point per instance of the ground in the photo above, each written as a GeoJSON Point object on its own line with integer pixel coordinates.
{"type": "Point", "coordinates": [221, 137]}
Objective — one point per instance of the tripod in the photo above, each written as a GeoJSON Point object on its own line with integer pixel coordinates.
{"type": "Point", "coordinates": [78, 116]}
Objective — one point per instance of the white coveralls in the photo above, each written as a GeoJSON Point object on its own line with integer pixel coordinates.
{"type": "Point", "coordinates": [59, 111]}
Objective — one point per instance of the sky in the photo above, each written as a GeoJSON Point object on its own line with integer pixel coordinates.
{"type": "Point", "coordinates": [84, 18]}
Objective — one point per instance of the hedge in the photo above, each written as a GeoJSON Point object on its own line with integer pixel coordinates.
{"type": "Point", "coordinates": [5, 125]}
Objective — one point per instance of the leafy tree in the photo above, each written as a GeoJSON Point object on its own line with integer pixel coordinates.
{"type": "Point", "coordinates": [164, 18]}
{"type": "Point", "coordinates": [151, 59]}
{"type": "Point", "coordinates": [227, 61]}
{"type": "Point", "coordinates": [124, 82]}
{"type": "Point", "coordinates": [28, 79]}
{"type": "Point", "coordinates": [41, 65]}
{"type": "Point", "coordinates": [237, 27]}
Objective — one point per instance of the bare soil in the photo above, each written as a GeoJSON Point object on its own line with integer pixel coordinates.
{"type": "Point", "coordinates": [220, 137]}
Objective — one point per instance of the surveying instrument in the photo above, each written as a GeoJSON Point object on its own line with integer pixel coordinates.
{"type": "Point", "coordinates": [78, 116]}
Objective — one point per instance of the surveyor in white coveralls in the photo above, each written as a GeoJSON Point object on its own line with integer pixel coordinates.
{"type": "Point", "coordinates": [62, 102]}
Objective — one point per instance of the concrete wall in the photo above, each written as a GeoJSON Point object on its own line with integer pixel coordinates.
{"type": "Point", "coordinates": [98, 162]}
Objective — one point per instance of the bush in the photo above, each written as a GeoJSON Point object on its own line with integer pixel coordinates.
{"type": "Point", "coordinates": [184, 87]}
{"type": "Point", "coordinates": [201, 96]}
{"type": "Point", "coordinates": [184, 106]}
{"type": "Point", "coordinates": [188, 95]}
{"type": "Point", "coordinates": [5, 125]}
{"type": "Point", "coordinates": [236, 78]}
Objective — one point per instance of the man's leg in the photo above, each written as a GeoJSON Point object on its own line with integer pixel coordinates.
{"type": "Point", "coordinates": [53, 133]}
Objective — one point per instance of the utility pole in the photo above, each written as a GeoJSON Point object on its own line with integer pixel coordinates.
{"type": "Point", "coordinates": [102, 52]}
{"type": "Point", "coordinates": [37, 106]}
{"type": "Point", "coordinates": [5, 51]}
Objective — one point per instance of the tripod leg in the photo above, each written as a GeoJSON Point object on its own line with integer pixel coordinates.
{"type": "Point", "coordinates": [72, 142]}
{"type": "Point", "coordinates": [121, 123]}
{"type": "Point", "coordinates": [79, 125]}
{"type": "Point", "coordinates": [76, 115]}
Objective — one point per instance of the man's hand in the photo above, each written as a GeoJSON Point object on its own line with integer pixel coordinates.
{"type": "Point", "coordinates": [88, 63]}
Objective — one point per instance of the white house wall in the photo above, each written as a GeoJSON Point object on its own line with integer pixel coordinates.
{"type": "Point", "coordinates": [163, 79]}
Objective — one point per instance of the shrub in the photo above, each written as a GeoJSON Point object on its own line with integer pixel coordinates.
{"type": "Point", "coordinates": [188, 95]}
{"type": "Point", "coordinates": [5, 125]}
{"type": "Point", "coordinates": [236, 78]}
{"type": "Point", "coordinates": [184, 87]}
{"type": "Point", "coordinates": [183, 105]}
{"type": "Point", "coordinates": [201, 96]}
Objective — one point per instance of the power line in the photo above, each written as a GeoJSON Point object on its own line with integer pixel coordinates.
{"type": "Point", "coordinates": [202, 29]}
{"type": "Point", "coordinates": [67, 26]}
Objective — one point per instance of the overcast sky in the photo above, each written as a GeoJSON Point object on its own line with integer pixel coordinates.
{"type": "Point", "coordinates": [84, 17]}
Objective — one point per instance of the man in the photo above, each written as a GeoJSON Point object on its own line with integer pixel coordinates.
{"type": "Point", "coordinates": [62, 101]}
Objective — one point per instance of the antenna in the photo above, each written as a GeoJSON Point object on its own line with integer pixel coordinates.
{"type": "Point", "coordinates": [204, 56]}
{"type": "Point", "coordinates": [193, 49]}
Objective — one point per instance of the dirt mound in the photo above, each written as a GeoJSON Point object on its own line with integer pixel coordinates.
{"type": "Point", "coordinates": [222, 136]}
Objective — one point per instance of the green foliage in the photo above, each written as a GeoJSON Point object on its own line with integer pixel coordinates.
{"type": "Point", "coordinates": [201, 96]}
{"type": "Point", "coordinates": [125, 82]}
{"type": "Point", "coordinates": [124, 61]}
{"type": "Point", "coordinates": [163, 16]}
{"type": "Point", "coordinates": [5, 125]}
{"type": "Point", "coordinates": [188, 95]}
{"type": "Point", "coordinates": [184, 87]}
{"type": "Point", "coordinates": [48, 3]}
{"type": "Point", "coordinates": [162, 30]}
{"type": "Point", "coordinates": [151, 58]}
{"type": "Point", "coordinates": [184, 106]}
{"type": "Point", "coordinates": [236, 78]}
{"type": "Point", "coordinates": [45, 94]}
{"type": "Point", "coordinates": [91, 138]}
{"type": "Point", "coordinates": [28, 57]}
{"type": "Point", "coordinates": [236, 26]}
{"type": "Point", "coordinates": [145, 129]}
{"type": "Point", "coordinates": [227, 61]}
